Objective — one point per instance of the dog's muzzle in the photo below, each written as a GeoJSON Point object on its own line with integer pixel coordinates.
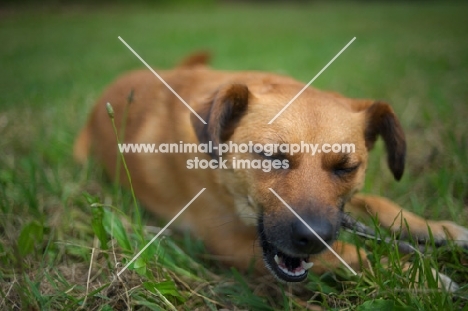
{"type": "Point", "coordinates": [288, 259]}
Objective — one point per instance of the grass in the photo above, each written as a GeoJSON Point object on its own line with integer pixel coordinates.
{"type": "Point", "coordinates": [65, 231]}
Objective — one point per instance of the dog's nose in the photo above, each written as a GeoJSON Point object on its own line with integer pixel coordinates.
{"type": "Point", "coordinates": [305, 241]}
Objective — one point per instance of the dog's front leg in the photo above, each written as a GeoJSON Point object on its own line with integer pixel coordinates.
{"type": "Point", "coordinates": [401, 221]}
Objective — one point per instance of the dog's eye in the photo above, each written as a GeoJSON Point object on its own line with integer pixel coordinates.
{"type": "Point", "coordinates": [342, 171]}
{"type": "Point", "coordinates": [277, 156]}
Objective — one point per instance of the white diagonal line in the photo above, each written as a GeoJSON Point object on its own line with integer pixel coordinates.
{"type": "Point", "coordinates": [162, 80]}
{"type": "Point", "coordinates": [313, 79]}
{"type": "Point", "coordinates": [159, 233]}
{"type": "Point", "coordinates": [315, 233]}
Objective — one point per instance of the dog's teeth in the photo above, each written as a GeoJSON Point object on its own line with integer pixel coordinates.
{"type": "Point", "coordinates": [297, 272]}
{"type": "Point", "coordinates": [277, 260]}
{"type": "Point", "coordinates": [302, 269]}
{"type": "Point", "coordinates": [306, 265]}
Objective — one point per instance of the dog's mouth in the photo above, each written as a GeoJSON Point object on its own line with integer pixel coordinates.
{"type": "Point", "coordinates": [288, 268]}
{"type": "Point", "coordinates": [285, 267]}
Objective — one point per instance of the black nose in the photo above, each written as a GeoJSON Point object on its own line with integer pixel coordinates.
{"type": "Point", "coordinates": [305, 241]}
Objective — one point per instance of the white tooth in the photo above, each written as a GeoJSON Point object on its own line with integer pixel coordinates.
{"type": "Point", "coordinates": [277, 260]}
{"type": "Point", "coordinates": [285, 270]}
{"type": "Point", "coordinates": [291, 273]}
{"type": "Point", "coordinates": [306, 265]}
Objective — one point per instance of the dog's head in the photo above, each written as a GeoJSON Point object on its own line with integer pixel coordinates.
{"type": "Point", "coordinates": [315, 186]}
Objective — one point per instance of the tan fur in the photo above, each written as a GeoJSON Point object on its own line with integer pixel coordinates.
{"type": "Point", "coordinates": [238, 107]}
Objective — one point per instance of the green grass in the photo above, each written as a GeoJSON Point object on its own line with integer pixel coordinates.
{"type": "Point", "coordinates": [64, 228]}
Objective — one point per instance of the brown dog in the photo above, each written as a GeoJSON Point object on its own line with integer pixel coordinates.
{"type": "Point", "coordinates": [238, 209]}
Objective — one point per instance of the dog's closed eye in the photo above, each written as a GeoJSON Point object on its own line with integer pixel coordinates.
{"type": "Point", "coordinates": [342, 165]}
{"type": "Point", "coordinates": [344, 170]}
{"type": "Point", "coordinates": [272, 156]}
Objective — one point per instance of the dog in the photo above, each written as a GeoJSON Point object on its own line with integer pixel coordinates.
{"type": "Point", "coordinates": [238, 216]}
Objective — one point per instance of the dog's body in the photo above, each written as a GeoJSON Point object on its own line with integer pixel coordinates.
{"type": "Point", "coordinates": [238, 217]}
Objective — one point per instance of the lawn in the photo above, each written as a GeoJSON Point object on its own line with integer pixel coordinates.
{"type": "Point", "coordinates": [65, 230]}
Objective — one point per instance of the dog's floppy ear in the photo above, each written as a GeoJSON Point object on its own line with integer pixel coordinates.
{"type": "Point", "coordinates": [222, 114]}
{"type": "Point", "coordinates": [381, 120]}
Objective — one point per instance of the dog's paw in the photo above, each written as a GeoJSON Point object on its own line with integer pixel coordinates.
{"type": "Point", "coordinates": [447, 230]}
